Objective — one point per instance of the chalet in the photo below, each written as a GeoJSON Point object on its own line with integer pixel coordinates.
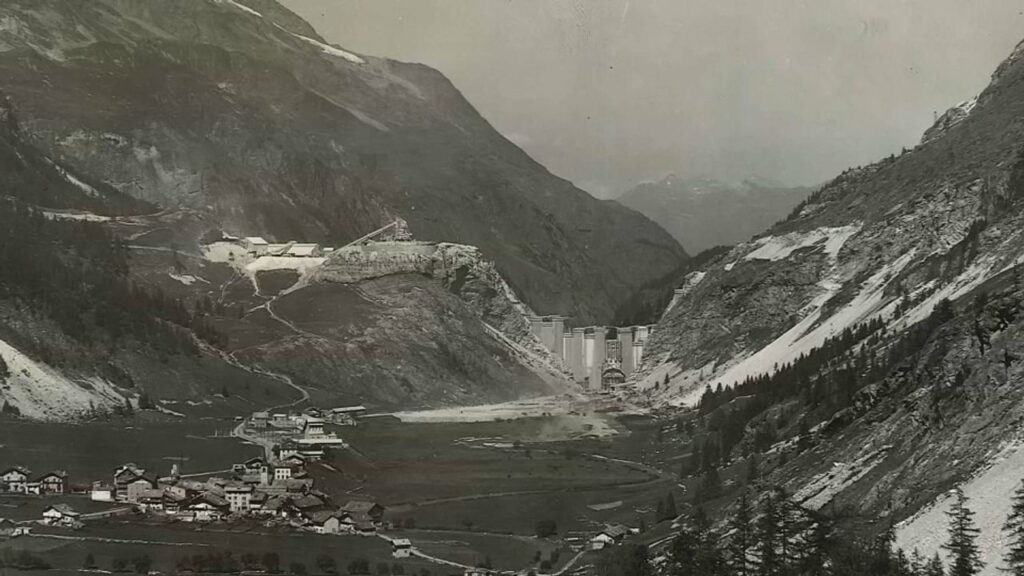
{"type": "Point", "coordinates": [610, 536]}
{"type": "Point", "coordinates": [298, 485]}
{"type": "Point", "coordinates": [239, 498]}
{"type": "Point", "coordinates": [256, 246]}
{"type": "Point", "coordinates": [280, 419]}
{"type": "Point", "coordinates": [152, 499]}
{"type": "Point", "coordinates": [324, 522]}
{"type": "Point", "coordinates": [7, 528]}
{"type": "Point", "coordinates": [60, 515]}
{"type": "Point", "coordinates": [207, 507]}
{"type": "Point", "coordinates": [260, 419]}
{"type": "Point", "coordinates": [258, 502]}
{"type": "Point", "coordinates": [259, 468]}
{"type": "Point", "coordinates": [55, 482]}
{"type": "Point", "coordinates": [173, 501]}
{"type": "Point", "coordinates": [101, 492]}
{"type": "Point", "coordinates": [123, 475]}
{"type": "Point", "coordinates": [308, 503]}
{"type": "Point", "coordinates": [134, 488]}
{"type": "Point", "coordinates": [372, 510]}
{"type": "Point", "coordinates": [14, 479]}
{"type": "Point", "coordinates": [401, 548]}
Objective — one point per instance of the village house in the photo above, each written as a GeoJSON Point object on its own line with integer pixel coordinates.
{"type": "Point", "coordinates": [152, 499]}
{"type": "Point", "coordinates": [260, 419]}
{"type": "Point", "coordinates": [60, 515]}
{"type": "Point", "coordinates": [55, 482]}
{"type": "Point", "coordinates": [239, 498]}
{"type": "Point", "coordinates": [324, 522]}
{"type": "Point", "coordinates": [401, 548]}
{"type": "Point", "coordinates": [363, 508]}
{"type": "Point", "coordinates": [610, 536]}
{"type": "Point", "coordinates": [288, 469]}
{"type": "Point", "coordinates": [101, 492]}
{"type": "Point", "coordinates": [134, 489]}
{"type": "Point", "coordinates": [14, 479]}
{"type": "Point", "coordinates": [123, 475]}
{"type": "Point", "coordinates": [207, 507]}
{"type": "Point", "coordinates": [173, 501]}
{"type": "Point", "coordinates": [258, 502]}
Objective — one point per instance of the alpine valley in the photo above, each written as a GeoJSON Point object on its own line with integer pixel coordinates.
{"type": "Point", "coordinates": [269, 305]}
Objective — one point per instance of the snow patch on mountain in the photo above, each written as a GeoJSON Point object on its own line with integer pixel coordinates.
{"type": "Point", "coordinates": [241, 7]}
{"type": "Point", "coordinates": [88, 190]}
{"type": "Point", "coordinates": [42, 393]}
{"type": "Point", "coordinates": [776, 248]}
{"type": "Point", "coordinates": [989, 492]}
{"type": "Point", "coordinates": [328, 49]}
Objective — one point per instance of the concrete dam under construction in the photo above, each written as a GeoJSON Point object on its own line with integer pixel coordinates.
{"type": "Point", "coordinates": [597, 357]}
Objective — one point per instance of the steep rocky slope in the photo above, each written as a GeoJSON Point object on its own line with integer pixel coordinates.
{"type": "Point", "coordinates": [922, 253]}
{"type": "Point", "coordinates": [75, 340]}
{"type": "Point", "coordinates": [702, 213]}
{"type": "Point", "coordinates": [241, 110]}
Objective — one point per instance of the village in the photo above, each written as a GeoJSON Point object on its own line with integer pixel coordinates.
{"type": "Point", "coordinates": [273, 491]}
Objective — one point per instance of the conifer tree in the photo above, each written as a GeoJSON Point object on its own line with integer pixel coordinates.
{"type": "Point", "coordinates": [963, 538]}
{"type": "Point", "coordinates": [768, 561]}
{"type": "Point", "coordinates": [670, 507]}
{"type": "Point", "coordinates": [934, 567]}
{"type": "Point", "coordinates": [1014, 529]}
{"type": "Point", "coordinates": [742, 540]}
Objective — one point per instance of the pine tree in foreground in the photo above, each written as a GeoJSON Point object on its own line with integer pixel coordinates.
{"type": "Point", "coordinates": [1014, 530]}
{"type": "Point", "coordinates": [963, 538]}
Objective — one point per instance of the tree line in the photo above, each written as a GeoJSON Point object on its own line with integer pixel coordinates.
{"type": "Point", "coordinates": [779, 538]}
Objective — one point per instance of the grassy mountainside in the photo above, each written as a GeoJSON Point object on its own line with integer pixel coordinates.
{"type": "Point", "coordinates": [244, 113]}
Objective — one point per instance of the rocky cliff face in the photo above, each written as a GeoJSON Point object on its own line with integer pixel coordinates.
{"type": "Point", "coordinates": [885, 243]}
{"type": "Point", "coordinates": [904, 233]}
{"type": "Point", "coordinates": [239, 109]}
{"type": "Point", "coordinates": [702, 213]}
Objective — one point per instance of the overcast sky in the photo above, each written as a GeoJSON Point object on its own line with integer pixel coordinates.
{"type": "Point", "coordinates": [610, 93]}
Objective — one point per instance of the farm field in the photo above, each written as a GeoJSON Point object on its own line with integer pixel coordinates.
{"type": "Point", "coordinates": [166, 545]}
{"type": "Point", "coordinates": [91, 451]}
{"type": "Point", "coordinates": [466, 492]}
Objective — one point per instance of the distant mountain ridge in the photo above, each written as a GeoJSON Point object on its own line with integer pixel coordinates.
{"type": "Point", "coordinates": [701, 213]}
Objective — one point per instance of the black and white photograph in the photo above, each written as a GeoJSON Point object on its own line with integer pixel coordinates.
{"type": "Point", "coordinates": [511, 288]}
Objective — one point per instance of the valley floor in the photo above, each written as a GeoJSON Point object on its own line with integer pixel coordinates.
{"type": "Point", "coordinates": [465, 490]}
